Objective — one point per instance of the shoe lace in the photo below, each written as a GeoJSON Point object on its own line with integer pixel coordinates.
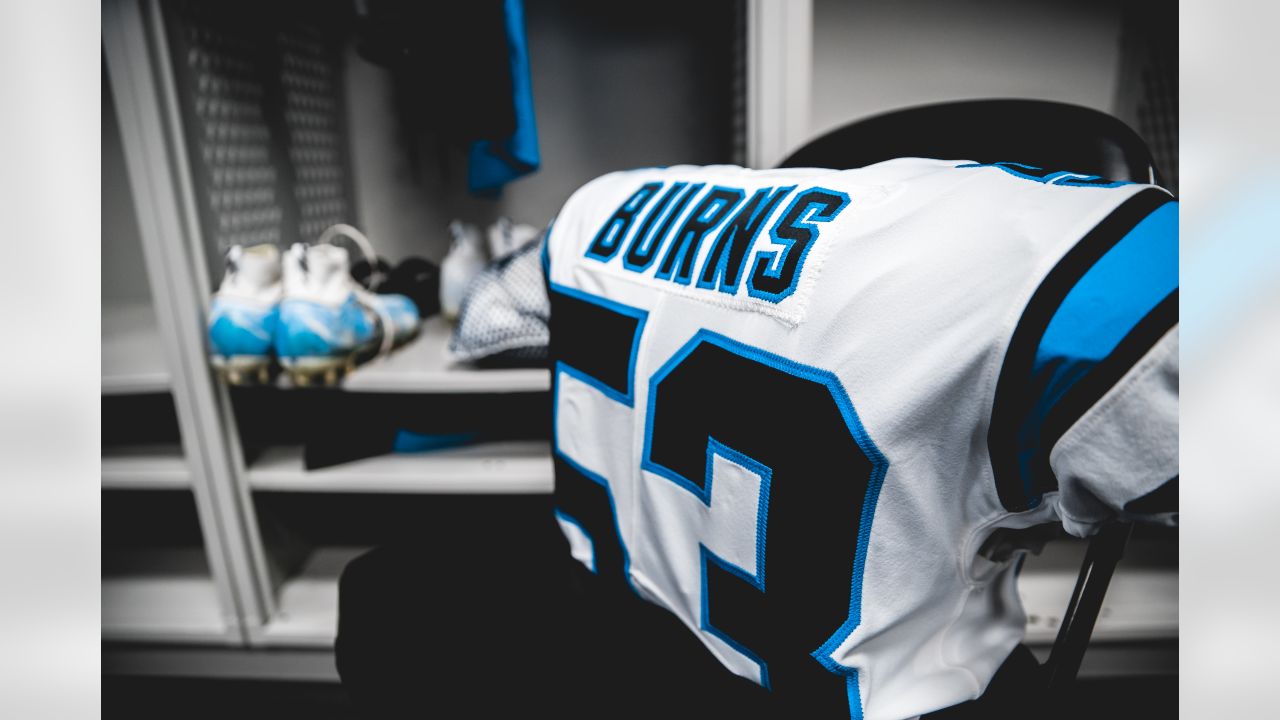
{"type": "Point", "coordinates": [339, 230]}
{"type": "Point", "coordinates": [365, 297]}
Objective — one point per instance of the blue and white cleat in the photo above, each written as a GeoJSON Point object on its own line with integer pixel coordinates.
{"type": "Point", "coordinates": [244, 315]}
{"type": "Point", "coordinates": [329, 324]}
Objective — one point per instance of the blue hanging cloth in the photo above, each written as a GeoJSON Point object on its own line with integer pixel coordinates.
{"type": "Point", "coordinates": [494, 163]}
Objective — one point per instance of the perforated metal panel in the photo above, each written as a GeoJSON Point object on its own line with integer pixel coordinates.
{"type": "Point", "coordinates": [1158, 114]}
{"type": "Point", "coordinates": [1147, 89]}
{"type": "Point", "coordinates": [230, 139]}
{"type": "Point", "coordinates": [738, 80]}
{"type": "Point", "coordinates": [313, 117]}
{"type": "Point", "coordinates": [261, 98]}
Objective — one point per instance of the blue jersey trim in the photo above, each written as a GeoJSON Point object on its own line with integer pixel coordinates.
{"type": "Point", "coordinates": [1099, 311]}
{"type": "Point", "coordinates": [1062, 177]}
{"type": "Point", "coordinates": [714, 448]}
{"type": "Point", "coordinates": [855, 696]}
{"type": "Point", "coordinates": [566, 517]}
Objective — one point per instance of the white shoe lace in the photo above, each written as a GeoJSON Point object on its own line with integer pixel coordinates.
{"type": "Point", "coordinates": [366, 298]}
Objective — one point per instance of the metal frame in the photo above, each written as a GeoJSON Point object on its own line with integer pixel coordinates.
{"type": "Point", "coordinates": [133, 45]}
{"type": "Point", "coordinates": [138, 55]}
{"type": "Point", "coordinates": [1105, 550]}
{"type": "Point", "coordinates": [779, 75]}
{"type": "Point", "coordinates": [282, 664]}
{"type": "Point", "coordinates": [256, 597]}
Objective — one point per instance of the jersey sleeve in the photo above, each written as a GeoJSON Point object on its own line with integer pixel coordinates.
{"type": "Point", "coordinates": [1087, 401]}
{"type": "Point", "coordinates": [1120, 459]}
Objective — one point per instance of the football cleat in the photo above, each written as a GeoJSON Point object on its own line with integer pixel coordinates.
{"type": "Point", "coordinates": [244, 315]}
{"type": "Point", "coordinates": [328, 323]}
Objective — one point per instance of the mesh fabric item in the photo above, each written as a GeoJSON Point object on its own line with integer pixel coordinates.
{"type": "Point", "coordinates": [505, 311]}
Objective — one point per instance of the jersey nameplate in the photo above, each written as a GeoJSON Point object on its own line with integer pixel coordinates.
{"type": "Point", "coordinates": [685, 235]}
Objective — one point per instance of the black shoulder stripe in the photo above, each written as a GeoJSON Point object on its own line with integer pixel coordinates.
{"type": "Point", "coordinates": [1163, 499]}
{"type": "Point", "coordinates": [1012, 400]}
{"type": "Point", "coordinates": [1101, 378]}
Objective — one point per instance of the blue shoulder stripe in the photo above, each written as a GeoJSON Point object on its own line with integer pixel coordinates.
{"type": "Point", "coordinates": [1106, 304]}
{"type": "Point", "coordinates": [1093, 308]}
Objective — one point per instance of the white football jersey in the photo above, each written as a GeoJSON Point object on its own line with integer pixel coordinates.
{"type": "Point", "coordinates": [791, 405]}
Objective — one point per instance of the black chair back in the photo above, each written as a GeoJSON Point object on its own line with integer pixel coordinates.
{"type": "Point", "coordinates": [1048, 135]}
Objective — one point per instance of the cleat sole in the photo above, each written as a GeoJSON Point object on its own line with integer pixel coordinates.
{"type": "Point", "coordinates": [329, 370]}
{"type": "Point", "coordinates": [318, 371]}
{"type": "Point", "coordinates": [243, 369]}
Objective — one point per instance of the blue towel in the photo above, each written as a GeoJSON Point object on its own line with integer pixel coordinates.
{"type": "Point", "coordinates": [494, 163]}
{"type": "Point", "coordinates": [408, 441]}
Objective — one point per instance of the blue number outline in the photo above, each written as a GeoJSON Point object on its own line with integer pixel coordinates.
{"type": "Point", "coordinates": [806, 220]}
{"type": "Point", "coordinates": [715, 447]}
{"type": "Point", "coordinates": [641, 316]}
{"type": "Point", "coordinates": [628, 399]}
{"type": "Point", "coordinates": [675, 245]}
{"type": "Point", "coordinates": [879, 467]}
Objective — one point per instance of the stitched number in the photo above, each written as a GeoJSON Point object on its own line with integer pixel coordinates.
{"type": "Point", "coordinates": [601, 359]}
{"type": "Point", "coordinates": [778, 479]}
{"type": "Point", "coordinates": [776, 453]}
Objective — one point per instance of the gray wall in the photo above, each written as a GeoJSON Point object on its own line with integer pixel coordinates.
{"type": "Point", "coordinates": [404, 200]}
{"type": "Point", "coordinates": [609, 93]}
{"type": "Point", "coordinates": [872, 56]}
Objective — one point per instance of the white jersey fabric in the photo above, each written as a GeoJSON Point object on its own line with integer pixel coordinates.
{"type": "Point", "coordinates": [792, 405]}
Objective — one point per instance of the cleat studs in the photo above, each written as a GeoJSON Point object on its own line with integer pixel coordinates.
{"type": "Point", "coordinates": [233, 377]}
{"type": "Point", "coordinates": [331, 376]}
{"type": "Point", "coordinates": [264, 375]}
{"type": "Point", "coordinates": [301, 380]}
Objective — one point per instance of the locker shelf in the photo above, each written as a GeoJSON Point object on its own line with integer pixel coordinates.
{"type": "Point", "coordinates": [500, 467]}
{"type": "Point", "coordinates": [424, 366]}
{"type": "Point", "coordinates": [144, 467]}
{"type": "Point", "coordinates": [160, 595]}
{"type": "Point", "coordinates": [132, 353]}
{"type": "Point", "coordinates": [1141, 604]}
{"type": "Point", "coordinates": [315, 664]}
{"type": "Point", "coordinates": [307, 603]}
